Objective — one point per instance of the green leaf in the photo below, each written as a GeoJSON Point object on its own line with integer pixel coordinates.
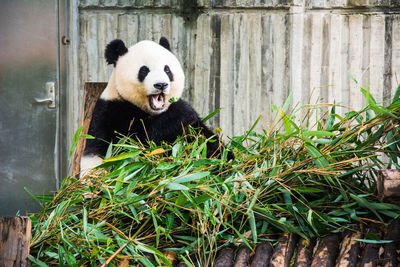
{"type": "Point", "coordinates": [319, 159]}
{"type": "Point", "coordinates": [318, 133]}
{"type": "Point", "coordinates": [190, 177]}
{"type": "Point", "coordinates": [122, 156]}
{"type": "Point", "coordinates": [370, 241]}
{"type": "Point", "coordinates": [75, 140]}
{"type": "Point", "coordinates": [212, 114]}
{"type": "Point", "coordinates": [175, 186]}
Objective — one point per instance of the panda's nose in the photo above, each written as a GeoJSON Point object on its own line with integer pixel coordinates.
{"type": "Point", "coordinates": [160, 86]}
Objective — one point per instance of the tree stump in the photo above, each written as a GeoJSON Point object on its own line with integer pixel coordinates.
{"type": "Point", "coordinates": [388, 184]}
{"type": "Point", "coordinates": [91, 93]}
{"type": "Point", "coordinates": [14, 241]}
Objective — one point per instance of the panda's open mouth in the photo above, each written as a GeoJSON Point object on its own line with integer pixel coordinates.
{"type": "Point", "coordinates": [157, 102]}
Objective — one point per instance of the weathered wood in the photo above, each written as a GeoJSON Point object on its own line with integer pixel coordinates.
{"type": "Point", "coordinates": [390, 249]}
{"type": "Point", "coordinates": [327, 251]}
{"type": "Point", "coordinates": [283, 251]}
{"type": "Point", "coordinates": [14, 241]}
{"type": "Point", "coordinates": [349, 250]}
{"type": "Point", "coordinates": [388, 184]}
{"type": "Point", "coordinates": [242, 256]}
{"type": "Point", "coordinates": [91, 93]}
{"type": "Point", "coordinates": [304, 252]}
{"type": "Point", "coordinates": [225, 258]}
{"type": "Point", "coordinates": [370, 255]}
{"type": "Point", "coordinates": [262, 255]}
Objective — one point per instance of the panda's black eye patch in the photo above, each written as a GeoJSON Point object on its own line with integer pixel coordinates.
{"type": "Point", "coordinates": [169, 73]}
{"type": "Point", "coordinates": [143, 71]}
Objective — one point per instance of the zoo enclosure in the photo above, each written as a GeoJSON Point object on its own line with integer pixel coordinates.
{"type": "Point", "coordinates": [245, 56]}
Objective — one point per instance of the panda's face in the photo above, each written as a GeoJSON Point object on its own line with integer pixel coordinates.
{"type": "Point", "coordinates": [148, 75]}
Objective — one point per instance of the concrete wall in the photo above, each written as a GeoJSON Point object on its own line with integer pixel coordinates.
{"type": "Point", "coordinates": [245, 55]}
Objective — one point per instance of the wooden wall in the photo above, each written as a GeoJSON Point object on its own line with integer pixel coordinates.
{"type": "Point", "coordinates": [246, 55]}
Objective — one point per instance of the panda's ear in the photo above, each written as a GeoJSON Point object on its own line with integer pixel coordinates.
{"type": "Point", "coordinates": [164, 43]}
{"type": "Point", "coordinates": [114, 50]}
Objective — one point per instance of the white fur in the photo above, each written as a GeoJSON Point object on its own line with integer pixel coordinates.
{"type": "Point", "coordinates": [89, 162]}
{"type": "Point", "coordinates": [124, 81]}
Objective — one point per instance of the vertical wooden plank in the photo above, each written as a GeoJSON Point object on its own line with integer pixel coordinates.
{"type": "Point", "coordinates": [306, 60]}
{"type": "Point", "coordinates": [215, 68]}
{"type": "Point", "coordinates": [395, 52]}
{"type": "Point", "coordinates": [267, 57]}
{"type": "Point", "coordinates": [334, 58]}
{"type": "Point", "coordinates": [281, 76]}
{"type": "Point", "coordinates": [227, 74]}
{"type": "Point", "coordinates": [315, 57]}
{"type": "Point", "coordinates": [387, 67]}
{"type": "Point", "coordinates": [14, 241]}
{"type": "Point", "coordinates": [202, 67]}
{"type": "Point", "coordinates": [297, 54]}
{"type": "Point", "coordinates": [241, 99]}
{"type": "Point", "coordinates": [377, 56]}
{"type": "Point", "coordinates": [355, 60]}
{"type": "Point", "coordinates": [256, 109]}
{"type": "Point", "coordinates": [326, 47]}
{"type": "Point", "coordinates": [366, 46]}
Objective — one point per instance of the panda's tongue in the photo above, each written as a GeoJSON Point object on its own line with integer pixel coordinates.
{"type": "Point", "coordinates": [158, 101]}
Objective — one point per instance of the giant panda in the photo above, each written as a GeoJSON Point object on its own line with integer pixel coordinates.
{"type": "Point", "coordinates": [136, 101]}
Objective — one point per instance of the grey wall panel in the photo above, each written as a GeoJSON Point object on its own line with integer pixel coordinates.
{"type": "Point", "coordinates": [245, 56]}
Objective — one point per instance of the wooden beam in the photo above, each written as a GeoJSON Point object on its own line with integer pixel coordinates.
{"type": "Point", "coordinates": [242, 256]}
{"type": "Point", "coordinates": [262, 255]}
{"type": "Point", "coordinates": [390, 250]}
{"type": "Point", "coordinates": [304, 252]}
{"type": "Point", "coordinates": [327, 251]}
{"type": "Point", "coordinates": [284, 250]}
{"type": "Point", "coordinates": [349, 250]}
{"type": "Point", "coordinates": [92, 92]}
{"type": "Point", "coordinates": [225, 258]}
{"type": "Point", "coordinates": [15, 235]}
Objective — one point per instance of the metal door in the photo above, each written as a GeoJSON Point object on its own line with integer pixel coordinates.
{"type": "Point", "coordinates": [30, 98]}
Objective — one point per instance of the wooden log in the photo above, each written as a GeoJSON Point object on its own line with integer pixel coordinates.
{"type": "Point", "coordinates": [388, 184]}
{"type": "Point", "coordinates": [370, 255]}
{"type": "Point", "coordinates": [14, 241]}
{"type": "Point", "coordinates": [304, 252]}
{"type": "Point", "coordinates": [327, 251]}
{"type": "Point", "coordinates": [262, 255]}
{"type": "Point", "coordinates": [283, 251]}
{"type": "Point", "coordinates": [390, 249]}
{"type": "Point", "coordinates": [242, 256]}
{"type": "Point", "coordinates": [225, 258]}
{"type": "Point", "coordinates": [349, 250]}
{"type": "Point", "coordinates": [92, 92]}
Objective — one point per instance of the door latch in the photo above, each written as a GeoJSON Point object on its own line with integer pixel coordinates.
{"type": "Point", "coordinates": [51, 95]}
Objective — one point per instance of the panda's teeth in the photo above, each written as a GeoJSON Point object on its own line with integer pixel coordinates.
{"type": "Point", "coordinates": [157, 101]}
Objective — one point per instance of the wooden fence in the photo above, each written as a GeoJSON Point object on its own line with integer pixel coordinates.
{"type": "Point", "coordinates": [246, 56]}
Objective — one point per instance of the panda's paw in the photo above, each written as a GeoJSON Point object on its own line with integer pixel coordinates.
{"type": "Point", "coordinates": [88, 162]}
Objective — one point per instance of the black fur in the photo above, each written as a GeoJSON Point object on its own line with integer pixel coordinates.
{"type": "Point", "coordinates": [168, 71]}
{"type": "Point", "coordinates": [125, 118]}
{"type": "Point", "coordinates": [143, 71]}
{"type": "Point", "coordinates": [114, 50]}
{"type": "Point", "coordinates": [164, 43]}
